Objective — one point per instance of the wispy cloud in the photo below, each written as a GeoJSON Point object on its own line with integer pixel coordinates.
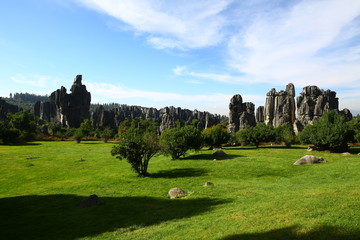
{"type": "Point", "coordinates": [39, 81]}
{"type": "Point", "coordinates": [224, 78]}
{"type": "Point", "coordinates": [313, 42]}
{"type": "Point", "coordinates": [169, 24]}
{"type": "Point", "coordinates": [217, 103]}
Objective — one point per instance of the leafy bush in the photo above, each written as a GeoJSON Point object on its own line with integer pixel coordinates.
{"type": "Point", "coordinates": [78, 135]}
{"type": "Point", "coordinates": [177, 141]}
{"type": "Point", "coordinates": [216, 136]}
{"type": "Point", "coordinates": [331, 132]}
{"type": "Point", "coordinates": [255, 135]}
{"type": "Point", "coordinates": [106, 134]}
{"type": "Point", "coordinates": [285, 133]}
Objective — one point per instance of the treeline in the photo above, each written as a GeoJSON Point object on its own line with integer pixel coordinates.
{"type": "Point", "coordinates": [25, 101]}
{"type": "Point", "coordinates": [28, 97]}
{"type": "Point", "coordinates": [106, 106]}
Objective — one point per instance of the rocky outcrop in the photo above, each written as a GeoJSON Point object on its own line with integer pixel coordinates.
{"type": "Point", "coordinates": [280, 106]}
{"type": "Point", "coordinates": [240, 114]}
{"type": "Point", "coordinates": [67, 109]}
{"type": "Point", "coordinates": [166, 117]}
{"type": "Point", "coordinates": [259, 117]}
{"type": "Point", "coordinates": [6, 108]}
{"type": "Point", "coordinates": [313, 102]}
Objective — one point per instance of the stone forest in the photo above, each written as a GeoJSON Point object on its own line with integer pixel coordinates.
{"type": "Point", "coordinates": [71, 109]}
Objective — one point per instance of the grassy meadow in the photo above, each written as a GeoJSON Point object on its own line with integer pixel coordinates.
{"type": "Point", "coordinates": [257, 194]}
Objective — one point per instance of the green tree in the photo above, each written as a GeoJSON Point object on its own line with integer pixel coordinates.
{"type": "Point", "coordinates": [106, 134]}
{"type": "Point", "coordinates": [331, 132]}
{"type": "Point", "coordinates": [137, 147]}
{"type": "Point", "coordinates": [7, 134]}
{"type": "Point", "coordinates": [86, 127]}
{"type": "Point", "coordinates": [24, 122]}
{"type": "Point", "coordinates": [285, 133]}
{"type": "Point", "coordinates": [216, 136]}
{"type": "Point", "coordinates": [78, 135]}
{"type": "Point", "coordinates": [177, 141]}
{"type": "Point", "coordinates": [355, 127]}
{"type": "Point", "coordinates": [256, 135]}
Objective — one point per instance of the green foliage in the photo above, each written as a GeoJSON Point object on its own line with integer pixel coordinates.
{"type": "Point", "coordinates": [177, 141]}
{"type": "Point", "coordinates": [54, 128]}
{"type": "Point", "coordinates": [285, 133]}
{"type": "Point", "coordinates": [7, 134]}
{"type": "Point", "coordinates": [86, 127]}
{"type": "Point", "coordinates": [137, 147]}
{"type": "Point", "coordinates": [331, 132]}
{"type": "Point", "coordinates": [106, 134]}
{"type": "Point", "coordinates": [255, 135]}
{"type": "Point", "coordinates": [24, 122]}
{"type": "Point", "coordinates": [355, 127]}
{"type": "Point", "coordinates": [78, 135]}
{"type": "Point", "coordinates": [216, 135]}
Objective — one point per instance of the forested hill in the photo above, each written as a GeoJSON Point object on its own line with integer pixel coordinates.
{"type": "Point", "coordinates": [25, 101]}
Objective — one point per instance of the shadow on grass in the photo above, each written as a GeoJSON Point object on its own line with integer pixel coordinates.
{"type": "Point", "coordinates": [59, 217]}
{"type": "Point", "coordinates": [210, 157]}
{"type": "Point", "coordinates": [179, 173]}
{"type": "Point", "coordinates": [320, 233]}
{"type": "Point", "coordinates": [21, 144]}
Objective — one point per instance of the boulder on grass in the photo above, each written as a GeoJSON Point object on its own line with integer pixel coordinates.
{"type": "Point", "coordinates": [176, 193]}
{"type": "Point", "coordinates": [309, 159]}
{"type": "Point", "coordinates": [92, 200]}
{"type": "Point", "coordinates": [206, 184]}
{"type": "Point", "coordinates": [346, 154]}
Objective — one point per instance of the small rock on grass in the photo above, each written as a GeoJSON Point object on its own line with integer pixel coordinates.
{"type": "Point", "coordinates": [206, 184]}
{"type": "Point", "coordinates": [309, 159]}
{"type": "Point", "coordinates": [176, 193]}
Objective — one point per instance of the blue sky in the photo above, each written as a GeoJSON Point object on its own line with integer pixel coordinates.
{"type": "Point", "coordinates": [183, 53]}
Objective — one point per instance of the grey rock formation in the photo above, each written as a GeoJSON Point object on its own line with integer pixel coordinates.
{"type": "Point", "coordinates": [259, 117]}
{"type": "Point", "coordinates": [240, 114]}
{"type": "Point", "coordinates": [166, 117]}
{"type": "Point", "coordinates": [67, 109]}
{"type": "Point", "coordinates": [280, 106]}
{"type": "Point", "coordinates": [6, 108]}
{"type": "Point", "coordinates": [309, 159]}
{"type": "Point", "coordinates": [313, 102]}
{"type": "Point", "coordinates": [176, 193]}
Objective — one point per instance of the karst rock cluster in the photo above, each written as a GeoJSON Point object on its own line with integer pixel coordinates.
{"type": "Point", "coordinates": [280, 108]}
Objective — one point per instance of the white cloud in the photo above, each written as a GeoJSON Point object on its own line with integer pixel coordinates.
{"type": "Point", "coordinates": [214, 103]}
{"type": "Point", "coordinates": [171, 24]}
{"type": "Point", "coordinates": [224, 78]}
{"type": "Point", "coordinates": [39, 81]}
{"type": "Point", "coordinates": [311, 43]}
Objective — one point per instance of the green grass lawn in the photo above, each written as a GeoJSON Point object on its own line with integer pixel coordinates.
{"type": "Point", "coordinates": [257, 194]}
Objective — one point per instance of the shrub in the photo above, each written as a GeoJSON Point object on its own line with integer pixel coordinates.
{"type": "Point", "coordinates": [106, 134]}
{"type": "Point", "coordinates": [285, 133]}
{"type": "Point", "coordinates": [177, 141]}
{"type": "Point", "coordinates": [78, 135]}
{"type": "Point", "coordinates": [255, 135]}
{"type": "Point", "coordinates": [331, 132]}
{"type": "Point", "coordinates": [216, 136]}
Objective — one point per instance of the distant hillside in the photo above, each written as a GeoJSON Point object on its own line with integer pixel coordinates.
{"type": "Point", "coordinates": [25, 101]}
